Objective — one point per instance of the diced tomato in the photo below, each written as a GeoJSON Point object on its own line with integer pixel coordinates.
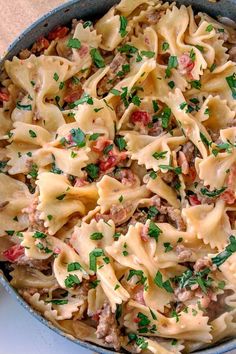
{"type": "Point", "coordinates": [140, 117]}
{"type": "Point", "coordinates": [110, 162]}
{"type": "Point", "coordinates": [228, 196]}
{"type": "Point", "coordinates": [100, 144]}
{"type": "Point", "coordinates": [73, 95]}
{"type": "Point", "coordinates": [136, 319]}
{"type": "Point", "coordinates": [96, 317]}
{"type": "Point", "coordinates": [186, 63]}
{"type": "Point", "coordinates": [190, 177]}
{"type": "Point", "coordinates": [59, 32]}
{"type": "Point", "coordinates": [4, 96]}
{"type": "Point", "coordinates": [193, 200]}
{"type": "Point", "coordinates": [13, 253]}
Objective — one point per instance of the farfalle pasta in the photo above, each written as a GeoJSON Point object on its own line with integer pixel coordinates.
{"type": "Point", "coordinates": [117, 177]}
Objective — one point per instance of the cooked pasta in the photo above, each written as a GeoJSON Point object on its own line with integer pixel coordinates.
{"type": "Point", "coordinates": [118, 178]}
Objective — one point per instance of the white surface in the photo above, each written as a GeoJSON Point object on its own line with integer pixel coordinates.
{"type": "Point", "coordinates": [21, 333]}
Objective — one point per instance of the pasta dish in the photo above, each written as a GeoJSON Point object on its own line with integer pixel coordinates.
{"type": "Point", "coordinates": [118, 178]}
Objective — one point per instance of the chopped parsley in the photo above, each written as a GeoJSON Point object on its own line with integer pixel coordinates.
{"type": "Point", "coordinates": [128, 49]}
{"type": "Point", "coordinates": [159, 155]}
{"type": "Point", "coordinates": [61, 86]}
{"type": "Point", "coordinates": [163, 285]}
{"type": "Point", "coordinates": [78, 137]}
{"type": "Point", "coordinates": [93, 255]}
{"type": "Point", "coordinates": [123, 25]}
{"type": "Point", "coordinates": [167, 246]}
{"type": "Point", "coordinates": [196, 84]}
{"type": "Point", "coordinates": [24, 107]}
{"type": "Point", "coordinates": [94, 136]}
{"type": "Point", "coordinates": [58, 301]}
{"type": "Point", "coordinates": [228, 251]}
{"type": "Point", "coordinates": [32, 134]}
{"type": "Point", "coordinates": [85, 99]}
{"type": "Point", "coordinates": [155, 106]}
{"type": "Point", "coordinates": [153, 175]}
{"type": "Point", "coordinates": [97, 58]}
{"type": "Point", "coordinates": [138, 273]}
{"type": "Point", "coordinates": [38, 234]}
{"type": "Point", "coordinates": [120, 143]}
{"type": "Point", "coordinates": [165, 46]}
{"type": "Point", "coordinates": [154, 231]}
{"type": "Point", "coordinates": [74, 43]}
{"type": "Point", "coordinates": [49, 217]}
{"type": "Point", "coordinates": [188, 278]}
{"type": "Point", "coordinates": [152, 212]}
{"type": "Point", "coordinates": [73, 154]}
{"type": "Point", "coordinates": [96, 236]}
{"type": "Point", "coordinates": [72, 280]}
{"type": "Point", "coordinates": [87, 24]}
{"type": "Point", "coordinates": [92, 171]}
{"type": "Point", "coordinates": [140, 342]}
{"type": "Point", "coordinates": [121, 198]}
{"type": "Point", "coordinates": [33, 173]}
{"type": "Point", "coordinates": [71, 267]}
{"type": "Point", "coordinates": [61, 197]}
{"type": "Point", "coordinates": [117, 286]}
{"type": "Point", "coordinates": [116, 236]}
{"type": "Point", "coordinates": [56, 77]}
{"type": "Point", "coordinates": [192, 55]}
{"type": "Point", "coordinates": [165, 117]}
{"type": "Point", "coordinates": [172, 64]}
{"type": "Point", "coordinates": [231, 81]}
{"type": "Point", "coordinates": [199, 47]}
{"type": "Point", "coordinates": [107, 149]}
{"type": "Point", "coordinates": [177, 170]}
{"type": "Point", "coordinates": [214, 193]}
{"type": "Point", "coordinates": [205, 140]}
{"type": "Point", "coordinates": [212, 68]}
{"type": "Point", "coordinates": [209, 28]}
{"type": "Point", "coordinates": [171, 84]}
{"type": "Point", "coordinates": [148, 53]}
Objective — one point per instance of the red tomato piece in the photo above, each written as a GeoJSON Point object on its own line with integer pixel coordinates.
{"type": "Point", "coordinates": [59, 32]}
{"type": "Point", "coordinates": [140, 117]}
{"type": "Point", "coordinates": [13, 253]}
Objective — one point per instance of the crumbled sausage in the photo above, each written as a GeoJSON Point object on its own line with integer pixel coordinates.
{"type": "Point", "coordinates": [232, 54]}
{"type": "Point", "coordinates": [202, 263]}
{"type": "Point", "coordinates": [107, 328]}
{"type": "Point", "coordinates": [188, 150]}
{"type": "Point", "coordinates": [184, 254]}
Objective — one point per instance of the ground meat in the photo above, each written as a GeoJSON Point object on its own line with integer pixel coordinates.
{"type": "Point", "coordinates": [183, 295]}
{"type": "Point", "coordinates": [214, 134]}
{"type": "Point", "coordinates": [24, 54]}
{"type": "Point", "coordinates": [138, 294]}
{"type": "Point", "coordinates": [184, 254]}
{"type": "Point", "coordinates": [33, 213]}
{"type": "Point", "coordinates": [117, 62]}
{"type": "Point", "coordinates": [188, 150]}
{"type": "Point", "coordinates": [125, 176]}
{"type": "Point", "coordinates": [232, 54]}
{"type": "Point", "coordinates": [183, 163]}
{"type": "Point", "coordinates": [119, 213]}
{"type": "Point", "coordinates": [175, 216]}
{"type": "Point", "coordinates": [138, 216]}
{"type": "Point", "coordinates": [202, 263]}
{"type": "Point", "coordinates": [107, 328]}
{"type": "Point", "coordinates": [156, 129]}
{"type": "Point", "coordinates": [167, 177]}
{"type": "Point", "coordinates": [40, 264]}
{"type": "Point", "coordinates": [154, 16]}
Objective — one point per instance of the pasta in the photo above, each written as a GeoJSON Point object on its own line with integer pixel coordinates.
{"type": "Point", "coordinates": [117, 178]}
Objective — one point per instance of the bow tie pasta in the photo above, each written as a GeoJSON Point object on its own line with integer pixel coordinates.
{"type": "Point", "coordinates": [118, 178]}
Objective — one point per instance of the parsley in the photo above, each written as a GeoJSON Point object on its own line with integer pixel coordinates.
{"type": "Point", "coordinates": [92, 171]}
{"type": "Point", "coordinates": [106, 260]}
{"type": "Point", "coordinates": [221, 284]}
{"type": "Point", "coordinates": [212, 68]}
{"type": "Point", "coordinates": [167, 246]}
{"type": "Point", "coordinates": [177, 170]}
{"type": "Point", "coordinates": [71, 267]}
{"type": "Point", "coordinates": [116, 236]}
{"type": "Point", "coordinates": [172, 63]}
{"type": "Point", "coordinates": [192, 55]}
{"type": "Point", "coordinates": [87, 24]}
{"type": "Point", "coordinates": [118, 311]}
{"type": "Point", "coordinates": [96, 236]}
{"type": "Point", "coordinates": [165, 117]}
{"type": "Point", "coordinates": [115, 92]}
{"type": "Point", "coordinates": [231, 81]}
{"type": "Point", "coordinates": [74, 43]}
{"type": "Point", "coordinates": [61, 197]}
{"type": "Point", "coordinates": [97, 58]}
{"type": "Point", "coordinates": [121, 198]}
{"type": "Point", "coordinates": [209, 28]}
{"type": "Point", "coordinates": [85, 99]}
{"type": "Point", "coordinates": [78, 137]}
{"type": "Point", "coordinates": [214, 193]}
{"type": "Point", "coordinates": [24, 107]}
{"type": "Point", "coordinates": [32, 83]}
{"type": "Point", "coordinates": [10, 232]}
{"type": "Point", "coordinates": [117, 286]}
{"type": "Point", "coordinates": [94, 284]}
{"type": "Point", "coordinates": [153, 175]}
{"type": "Point", "coordinates": [154, 231]}
{"type": "Point", "coordinates": [107, 149]}
{"type": "Point", "coordinates": [188, 278]}
{"type": "Point", "coordinates": [61, 86]}
{"type": "Point", "coordinates": [140, 342]}
{"type": "Point", "coordinates": [49, 217]}
{"type": "Point", "coordinates": [176, 315]}
{"type": "Point", "coordinates": [58, 301]}
{"type": "Point", "coordinates": [94, 136]}
{"type": "Point", "coordinates": [56, 77]}
{"type": "Point", "coordinates": [93, 255]}
{"type": "Point", "coordinates": [96, 110]}
{"type": "Point", "coordinates": [120, 143]}
{"type": "Point", "coordinates": [33, 173]}
{"type": "Point", "coordinates": [128, 49]}
{"type": "Point", "coordinates": [125, 253]}
{"type": "Point", "coordinates": [152, 212]}
{"type": "Point", "coordinates": [153, 314]}
{"type": "Point", "coordinates": [3, 164]}
{"type": "Point", "coordinates": [123, 25]}
{"type": "Point", "coordinates": [199, 47]}
{"type": "Point", "coordinates": [165, 46]}
{"type": "Point", "coordinates": [38, 234]}
{"type": "Point", "coordinates": [138, 273]}
{"type": "Point", "coordinates": [224, 255]}
{"type": "Point", "coordinates": [155, 106]}
{"type": "Point", "coordinates": [182, 105]}
{"type": "Point", "coordinates": [73, 154]}
{"type": "Point", "coordinates": [148, 53]}
{"type": "Point", "coordinates": [72, 280]}
{"type": "Point", "coordinates": [207, 111]}
{"type": "Point", "coordinates": [159, 155]}
{"type": "Point", "coordinates": [171, 84]}
{"type": "Point", "coordinates": [196, 84]}
{"type": "Point", "coordinates": [32, 134]}
{"type": "Point", "coordinates": [136, 100]}
{"type": "Point", "coordinates": [205, 140]}
{"type": "Point", "coordinates": [163, 285]}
